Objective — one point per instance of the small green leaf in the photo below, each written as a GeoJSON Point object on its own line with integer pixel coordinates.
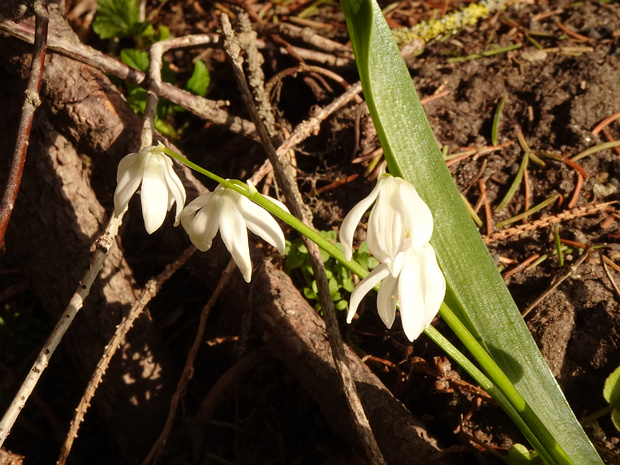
{"type": "Point", "coordinates": [117, 18]}
{"type": "Point", "coordinates": [135, 59]}
{"type": "Point", "coordinates": [310, 294]}
{"type": "Point", "coordinates": [199, 82]}
{"type": "Point", "coordinates": [342, 305]}
{"type": "Point", "coordinates": [611, 392]}
{"type": "Point", "coordinates": [520, 455]}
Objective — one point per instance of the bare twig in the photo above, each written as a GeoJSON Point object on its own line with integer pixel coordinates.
{"type": "Point", "coordinates": [307, 35]}
{"type": "Point", "coordinates": [151, 288]}
{"type": "Point", "coordinates": [188, 369]}
{"type": "Point", "coordinates": [31, 102]}
{"type": "Point", "coordinates": [608, 274]}
{"type": "Point", "coordinates": [206, 109]}
{"type": "Point", "coordinates": [548, 220]}
{"type": "Point", "coordinates": [558, 280]}
{"type": "Point", "coordinates": [365, 435]}
{"type": "Point", "coordinates": [102, 247]}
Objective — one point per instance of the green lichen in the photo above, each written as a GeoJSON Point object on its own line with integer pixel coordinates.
{"type": "Point", "coordinates": [452, 23]}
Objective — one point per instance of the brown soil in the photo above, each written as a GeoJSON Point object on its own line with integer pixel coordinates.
{"type": "Point", "coordinates": [556, 98]}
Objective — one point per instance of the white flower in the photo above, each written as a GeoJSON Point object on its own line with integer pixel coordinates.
{"type": "Point", "coordinates": [231, 213]}
{"type": "Point", "coordinates": [161, 187]}
{"type": "Point", "coordinates": [399, 220]}
{"type": "Point", "coordinates": [399, 229]}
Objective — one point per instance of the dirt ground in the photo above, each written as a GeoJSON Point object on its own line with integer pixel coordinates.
{"type": "Point", "coordinates": [559, 85]}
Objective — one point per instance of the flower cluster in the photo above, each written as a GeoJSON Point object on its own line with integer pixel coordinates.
{"type": "Point", "coordinates": [223, 209]}
{"type": "Point", "coordinates": [399, 230]}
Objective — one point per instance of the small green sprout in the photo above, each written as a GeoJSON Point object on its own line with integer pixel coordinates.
{"type": "Point", "coordinates": [339, 277]}
{"type": "Point", "coordinates": [521, 455]}
{"type": "Point", "coordinates": [611, 392]}
{"type": "Point", "coordinates": [136, 96]}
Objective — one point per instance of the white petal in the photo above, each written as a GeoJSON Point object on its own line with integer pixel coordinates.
{"type": "Point", "coordinates": [364, 287]}
{"type": "Point", "coordinates": [128, 178]}
{"type": "Point", "coordinates": [411, 297]}
{"type": "Point", "coordinates": [235, 235]}
{"type": "Point", "coordinates": [188, 213]}
{"type": "Point", "coordinates": [260, 222]}
{"type": "Point", "coordinates": [154, 192]}
{"type": "Point", "coordinates": [205, 223]}
{"type": "Point", "coordinates": [176, 191]}
{"type": "Point", "coordinates": [399, 219]}
{"type": "Point", "coordinates": [386, 300]}
{"type": "Point", "coordinates": [349, 225]}
{"type": "Point", "coordinates": [434, 283]}
{"type": "Point", "coordinates": [279, 204]}
{"type": "Point", "coordinates": [387, 230]}
{"type": "Point", "coordinates": [421, 289]}
{"type": "Point", "coordinates": [417, 212]}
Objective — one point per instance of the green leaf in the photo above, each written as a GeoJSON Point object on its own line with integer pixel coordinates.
{"type": "Point", "coordinates": [199, 82]}
{"type": "Point", "coordinates": [135, 59]}
{"type": "Point", "coordinates": [520, 455]}
{"type": "Point", "coordinates": [476, 291]}
{"type": "Point", "coordinates": [611, 392]}
{"type": "Point", "coordinates": [117, 18]}
{"type": "Point", "coordinates": [138, 59]}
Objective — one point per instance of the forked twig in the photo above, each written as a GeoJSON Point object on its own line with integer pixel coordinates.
{"type": "Point", "coordinates": [206, 109]}
{"type": "Point", "coordinates": [150, 290]}
{"type": "Point", "coordinates": [31, 102]}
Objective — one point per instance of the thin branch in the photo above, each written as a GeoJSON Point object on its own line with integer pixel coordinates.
{"type": "Point", "coordinates": [188, 369]}
{"type": "Point", "coordinates": [364, 431]}
{"type": "Point", "coordinates": [206, 109]}
{"type": "Point", "coordinates": [102, 247]}
{"type": "Point", "coordinates": [151, 288]}
{"type": "Point", "coordinates": [608, 273]}
{"type": "Point", "coordinates": [558, 280]}
{"type": "Point", "coordinates": [31, 102]}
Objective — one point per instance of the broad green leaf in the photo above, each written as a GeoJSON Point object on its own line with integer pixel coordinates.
{"type": "Point", "coordinates": [475, 291]}
{"type": "Point", "coordinates": [200, 79]}
{"type": "Point", "coordinates": [117, 18]}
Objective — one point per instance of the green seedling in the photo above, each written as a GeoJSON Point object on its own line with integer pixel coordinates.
{"type": "Point", "coordinates": [611, 392]}
{"type": "Point", "coordinates": [339, 277]}
{"type": "Point", "coordinates": [136, 96]}
{"type": "Point", "coordinates": [521, 455]}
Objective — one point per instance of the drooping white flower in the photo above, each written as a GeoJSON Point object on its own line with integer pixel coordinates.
{"type": "Point", "coordinates": [160, 187]}
{"type": "Point", "coordinates": [399, 220]}
{"type": "Point", "coordinates": [231, 213]}
{"type": "Point", "coordinates": [399, 230]}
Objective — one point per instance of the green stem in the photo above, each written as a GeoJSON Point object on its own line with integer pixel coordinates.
{"type": "Point", "coordinates": [275, 210]}
{"type": "Point", "coordinates": [486, 384]}
{"type": "Point", "coordinates": [552, 451]}
{"type": "Point", "coordinates": [596, 415]}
